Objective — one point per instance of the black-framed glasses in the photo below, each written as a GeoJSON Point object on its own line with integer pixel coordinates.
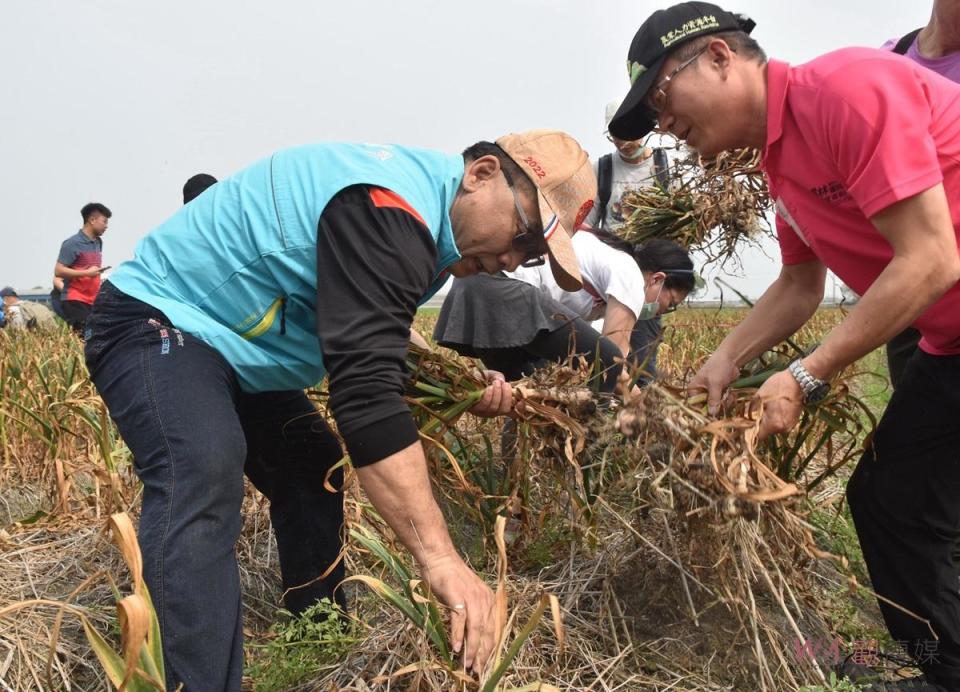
{"type": "Point", "coordinates": [530, 240]}
{"type": "Point", "coordinates": [672, 307]}
{"type": "Point", "coordinates": [657, 96]}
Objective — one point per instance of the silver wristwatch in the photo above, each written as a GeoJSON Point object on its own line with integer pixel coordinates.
{"type": "Point", "coordinates": [814, 390]}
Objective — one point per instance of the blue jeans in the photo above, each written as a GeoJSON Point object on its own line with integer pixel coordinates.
{"type": "Point", "coordinates": [194, 434]}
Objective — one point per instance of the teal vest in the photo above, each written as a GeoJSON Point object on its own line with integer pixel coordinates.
{"type": "Point", "coordinates": [237, 266]}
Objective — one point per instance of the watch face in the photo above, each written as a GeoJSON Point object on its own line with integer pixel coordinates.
{"type": "Point", "coordinates": [818, 393]}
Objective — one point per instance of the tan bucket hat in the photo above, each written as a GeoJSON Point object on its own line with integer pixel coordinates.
{"type": "Point", "coordinates": [566, 189]}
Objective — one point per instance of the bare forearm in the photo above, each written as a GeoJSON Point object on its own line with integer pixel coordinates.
{"type": "Point", "coordinates": [885, 310]}
{"type": "Point", "coordinates": [399, 488]}
{"type": "Point", "coordinates": [621, 339]}
{"type": "Point", "coordinates": [780, 312]}
{"type": "Point", "coordinates": [416, 338]}
{"type": "Point", "coordinates": [618, 323]}
{"type": "Point", "coordinates": [925, 265]}
{"type": "Point", "coordinates": [65, 272]}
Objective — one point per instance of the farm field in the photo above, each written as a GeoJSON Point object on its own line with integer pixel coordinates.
{"type": "Point", "coordinates": [654, 555]}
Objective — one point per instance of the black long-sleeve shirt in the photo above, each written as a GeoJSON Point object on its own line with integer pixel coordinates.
{"type": "Point", "coordinates": [375, 261]}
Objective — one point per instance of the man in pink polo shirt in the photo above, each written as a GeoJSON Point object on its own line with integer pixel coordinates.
{"type": "Point", "coordinates": [862, 153]}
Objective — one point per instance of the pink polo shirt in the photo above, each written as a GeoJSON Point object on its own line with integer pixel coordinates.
{"type": "Point", "coordinates": [849, 134]}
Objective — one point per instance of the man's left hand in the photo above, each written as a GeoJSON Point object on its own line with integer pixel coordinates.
{"type": "Point", "coordinates": [497, 399]}
{"type": "Point", "coordinates": [782, 401]}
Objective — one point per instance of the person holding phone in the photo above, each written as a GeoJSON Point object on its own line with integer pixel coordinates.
{"type": "Point", "coordinates": [79, 265]}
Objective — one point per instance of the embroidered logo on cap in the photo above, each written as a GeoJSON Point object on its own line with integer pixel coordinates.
{"type": "Point", "coordinates": [535, 165]}
{"type": "Point", "coordinates": [582, 213]}
{"type": "Point", "coordinates": [635, 70]}
{"type": "Point", "coordinates": [694, 26]}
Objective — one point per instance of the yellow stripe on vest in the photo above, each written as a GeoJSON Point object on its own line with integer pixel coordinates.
{"type": "Point", "coordinates": [262, 326]}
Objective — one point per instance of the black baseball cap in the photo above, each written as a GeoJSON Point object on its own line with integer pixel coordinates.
{"type": "Point", "coordinates": [8, 292]}
{"type": "Point", "coordinates": [657, 37]}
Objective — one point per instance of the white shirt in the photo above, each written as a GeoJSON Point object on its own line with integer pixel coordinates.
{"type": "Point", "coordinates": [606, 272]}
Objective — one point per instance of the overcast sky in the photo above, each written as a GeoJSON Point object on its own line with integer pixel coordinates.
{"type": "Point", "coordinates": [119, 102]}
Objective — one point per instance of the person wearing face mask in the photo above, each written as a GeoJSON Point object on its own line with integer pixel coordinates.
{"type": "Point", "coordinates": [518, 323]}
{"type": "Point", "coordinates": [632, 165]}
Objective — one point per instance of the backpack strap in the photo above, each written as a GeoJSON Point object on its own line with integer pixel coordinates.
{"type": "Point", "coordinates": [906, 41]}
{"type": "Point", "coordinates": [661, 168]}
{"type": "Point", "coordinates": [604, 185]}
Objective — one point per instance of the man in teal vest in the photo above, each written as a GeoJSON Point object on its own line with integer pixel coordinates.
{"type": "Point", "coordinates": [309, 263]}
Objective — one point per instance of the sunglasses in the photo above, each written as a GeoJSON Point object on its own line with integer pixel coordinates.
{"type": "Point", "coordinates": [530, 240]}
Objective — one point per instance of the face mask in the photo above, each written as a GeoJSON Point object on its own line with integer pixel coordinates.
{"type": "Point", "coordinates": [638, 154]}
{"type": "Point", "coordinates": [641, 150]}
{"type": "Point", "coordinates": [649, 310]}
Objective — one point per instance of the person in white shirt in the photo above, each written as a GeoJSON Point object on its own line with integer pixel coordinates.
{"type": "Point", "coordinates": [517, 323]}
{"type": "Point", "coordinates": [632, 165]}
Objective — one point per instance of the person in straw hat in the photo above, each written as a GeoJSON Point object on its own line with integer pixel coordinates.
{"type": "Point", "coordinates": [309, 263]}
